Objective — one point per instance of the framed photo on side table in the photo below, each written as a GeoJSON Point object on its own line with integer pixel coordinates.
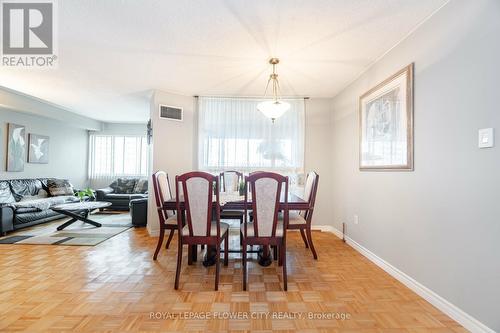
{"type": "Point", "coordinates": [386, 124]}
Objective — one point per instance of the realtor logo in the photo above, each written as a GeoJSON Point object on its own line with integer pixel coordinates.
{"type": "Point", "coordinates": [28, 33]}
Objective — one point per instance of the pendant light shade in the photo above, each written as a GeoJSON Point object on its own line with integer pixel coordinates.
{"type": "Point", "coordinates": [273, 109]}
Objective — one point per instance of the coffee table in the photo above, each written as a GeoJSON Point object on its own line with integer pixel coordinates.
{"type": "Point", "coordinates": [79, 211]}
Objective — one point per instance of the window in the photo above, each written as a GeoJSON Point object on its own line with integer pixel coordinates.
{"type": "Point", "coordinates": [233, 134]}
{"type": "Point", "coordinates": [114, 155]}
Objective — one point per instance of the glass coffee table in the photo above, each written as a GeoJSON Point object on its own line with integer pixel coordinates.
{"type": "Point", "coordinates": [79, 211]}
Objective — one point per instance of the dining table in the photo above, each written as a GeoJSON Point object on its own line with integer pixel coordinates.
{"type": "Point", "coordinates": [235, 201]}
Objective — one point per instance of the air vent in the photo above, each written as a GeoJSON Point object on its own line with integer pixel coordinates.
{"type": "Point", "coordinates": [171, 112]}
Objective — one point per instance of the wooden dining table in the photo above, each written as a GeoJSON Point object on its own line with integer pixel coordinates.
{"type": "Point", "coordinates": [233, 201]}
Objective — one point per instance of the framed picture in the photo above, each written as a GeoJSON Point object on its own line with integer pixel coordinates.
{"type": "Point", "coordinates": [386, 124]}
{"type": "Point", "coordinates": [16, 148]}
{"type": "Point", "coordinates": [38, 150]}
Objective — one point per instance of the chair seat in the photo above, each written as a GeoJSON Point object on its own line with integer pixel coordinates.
{"type": "Point", "coordinates": [213, 229]}
{"type": "Point", "coordinates": [250, 229]}
{"type": "Point", "coordinates": [172, 220]}
{"type": "Point", "coordinates": [294, 218]}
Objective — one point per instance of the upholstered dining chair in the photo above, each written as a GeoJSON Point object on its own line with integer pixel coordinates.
{"type": "Point", "coordinates": [302, 220]}
{"type": "Point", "coordinates": [194, 193]}
{"type": "Point", "coordinates": [230, 183]}
{"type": "Point", "coordinates": [168, 219]}
{"type": "Point", "coordinates": [266, 229]}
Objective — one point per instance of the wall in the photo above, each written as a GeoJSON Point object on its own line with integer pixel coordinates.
{"type": "Point", "coordinates": [317, 157]}
{"type": "Point", "coordinates": [123, 129]}
{"type": "Point", "coordinates": [440, 223]}
{"type": "Point", "coordinates": [67, 148]}
{"type": "Point", "coordinates": [174, 144]}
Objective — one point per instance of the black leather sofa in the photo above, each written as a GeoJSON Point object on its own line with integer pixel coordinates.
{"type": "Point", "coordinates": [14, 218]}
{"type": "Point", "coordinates": [121, 191]}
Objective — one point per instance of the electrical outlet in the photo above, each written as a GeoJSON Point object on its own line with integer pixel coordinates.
{"type": "Point", "coordinates": [356, 219]}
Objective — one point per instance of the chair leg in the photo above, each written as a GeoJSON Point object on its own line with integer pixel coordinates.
{"type": "Point", "coordinates": [241, 234]}
{"type": "Point", "coordinates": [244, 265]}
{"type": "Point", "coordinates": [275, 252]}
{"type": "Point", "coordinates": [179, 262]}
{"type": "Point", "coordinates": [226, 249]}
{"type": "Point", "coordinates": [217, 266]}
{"type": "Point", "coordinates": [280, 259]}
{"type": "Point", "coordinates": [303, 234]}
{"type": "Point", "coordinates": [190, 255]}
{"type": "Point", "coordinates": [160, 241]}
{"type": "Point", "coordinates": [170, 238]}
{"type": "Point", "coordinates": [283, 262]}
{"type": "Point", "coordinates": [202, 246]}
{"type": "Point", "coordinates": [310, 241]}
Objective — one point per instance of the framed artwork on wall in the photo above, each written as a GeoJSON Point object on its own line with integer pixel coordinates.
{"type": "Point", "coordinates": [16, 148]}
{"type": "Point", "coordinates": [38, 150]}
{"type": "Point", "coordinates": [386, 124]}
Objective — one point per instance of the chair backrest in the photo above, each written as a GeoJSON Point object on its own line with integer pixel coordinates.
{"type": "Point", "coordinates": [161, 186]}
{"type": "Point", "coordinates": [310, 190]}
{"type": "Point", "coordinates": [196, 190]}
{"type": "Point", "coordinates": [266, 194]}
{"type": "Point", "coordinates": [231, 180]}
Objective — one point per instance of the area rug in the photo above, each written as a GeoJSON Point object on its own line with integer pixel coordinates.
{"type": "Point", "coordinates": [78, 234]}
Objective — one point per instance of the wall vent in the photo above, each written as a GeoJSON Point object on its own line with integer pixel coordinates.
{"type": "Point", "coordinates": [171, 112]}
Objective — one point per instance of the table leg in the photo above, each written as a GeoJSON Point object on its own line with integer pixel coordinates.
{"type": "Point", "coordinates": [77, 216]}
{"type": "Point", "coordinates": [194, 252]}
{"type": "Point", "coordinates": [265, 256]}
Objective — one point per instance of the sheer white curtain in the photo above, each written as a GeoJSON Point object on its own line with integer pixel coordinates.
{"type": "Point", "coordinates": [233, 134]}
{"type": "Point", "coordinates": [112, 156]}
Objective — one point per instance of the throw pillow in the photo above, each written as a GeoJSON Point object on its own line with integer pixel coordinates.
{"type": "Point", "coordinates": [123, 185]}
{"type": "Point", "coordinates": [59, 187]}
{"type": "Point", "coordinates": [141, 186]}
{"type": "Point", "coordinates": [5, 193]}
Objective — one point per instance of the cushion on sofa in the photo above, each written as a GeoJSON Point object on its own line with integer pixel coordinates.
{"type": "Point", "coordinates": [25, 187]}
{"type": "Point", "coordinates": [119, 196]}
{"type": "Point", "coordinates": [59, 187]}
{"type": "Point", "coordinates": [123, 185]}
{"type": "Point", "coordinates": [5, 193]}
{"type": "Point", "coordinates": [141, 186]}
{"type": "Point", "coordinates": [20, 219]}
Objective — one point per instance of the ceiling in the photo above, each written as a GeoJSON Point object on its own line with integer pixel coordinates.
{"type": "Point", "coordinates": [113, 53]}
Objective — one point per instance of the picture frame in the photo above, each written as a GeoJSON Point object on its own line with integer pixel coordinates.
{"type": "Point", "coordinates": [38, 149]}
{"type": "Point", "coordinates": [386, 124]}
{"type": "Point", "coordinates": [16, 147]}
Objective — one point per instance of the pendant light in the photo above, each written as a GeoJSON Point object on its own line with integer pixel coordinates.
{"type": "Point", "coordinates": [274, 108]}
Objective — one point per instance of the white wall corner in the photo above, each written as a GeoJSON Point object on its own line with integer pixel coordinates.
{"type": "Point", "coordinates": [457, 314]}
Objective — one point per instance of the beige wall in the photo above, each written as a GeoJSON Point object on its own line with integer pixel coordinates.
{"type": "Point", "coordinates": [318, 155]}
{"type": "Point", "coordinates": [175, 147]}
{"type": "Point", "coordinates": [439, 224]}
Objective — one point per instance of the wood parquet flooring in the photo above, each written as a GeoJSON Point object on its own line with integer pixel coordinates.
{"type": "Point", "coordinates": [117, 287]}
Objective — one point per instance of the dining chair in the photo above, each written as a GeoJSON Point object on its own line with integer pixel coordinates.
{"type": "Point", "coordinates": [266, 229]}
{"type": "Point", "coordinates": [195, 191]}
{"type": "Point", "coordinates": [230, 183]}
{"type": "Point", "coordinates": [302, 220]}
{"type": "Point", "coordinates": [168, 221]}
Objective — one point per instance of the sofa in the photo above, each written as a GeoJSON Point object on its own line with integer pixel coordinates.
{"type": "Point", "coordinates": [121, 191]}
{"type": "Point", "coordinates": [16, 196]}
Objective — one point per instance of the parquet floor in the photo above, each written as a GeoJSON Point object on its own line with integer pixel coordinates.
{"type": "Point", "coordinates": [117, 287]}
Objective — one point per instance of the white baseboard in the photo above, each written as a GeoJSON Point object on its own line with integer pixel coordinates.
{"type": "Point", "coordinates": [457, 314]}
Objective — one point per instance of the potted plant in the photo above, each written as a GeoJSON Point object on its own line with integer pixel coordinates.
{"type": "Point", "coordinates": [242, 188]}
{"type": "Point", "coordinates": [88, 192]}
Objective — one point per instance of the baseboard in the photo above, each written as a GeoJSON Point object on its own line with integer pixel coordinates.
{"type": "Point", "coordinates": [457, 314]}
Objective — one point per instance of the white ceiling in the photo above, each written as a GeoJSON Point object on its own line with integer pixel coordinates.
{"type": "Point", "coordinates": [113, 53]}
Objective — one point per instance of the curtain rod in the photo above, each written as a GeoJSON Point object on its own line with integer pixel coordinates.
{"type": "Point", "coordinates": [243, 97]}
